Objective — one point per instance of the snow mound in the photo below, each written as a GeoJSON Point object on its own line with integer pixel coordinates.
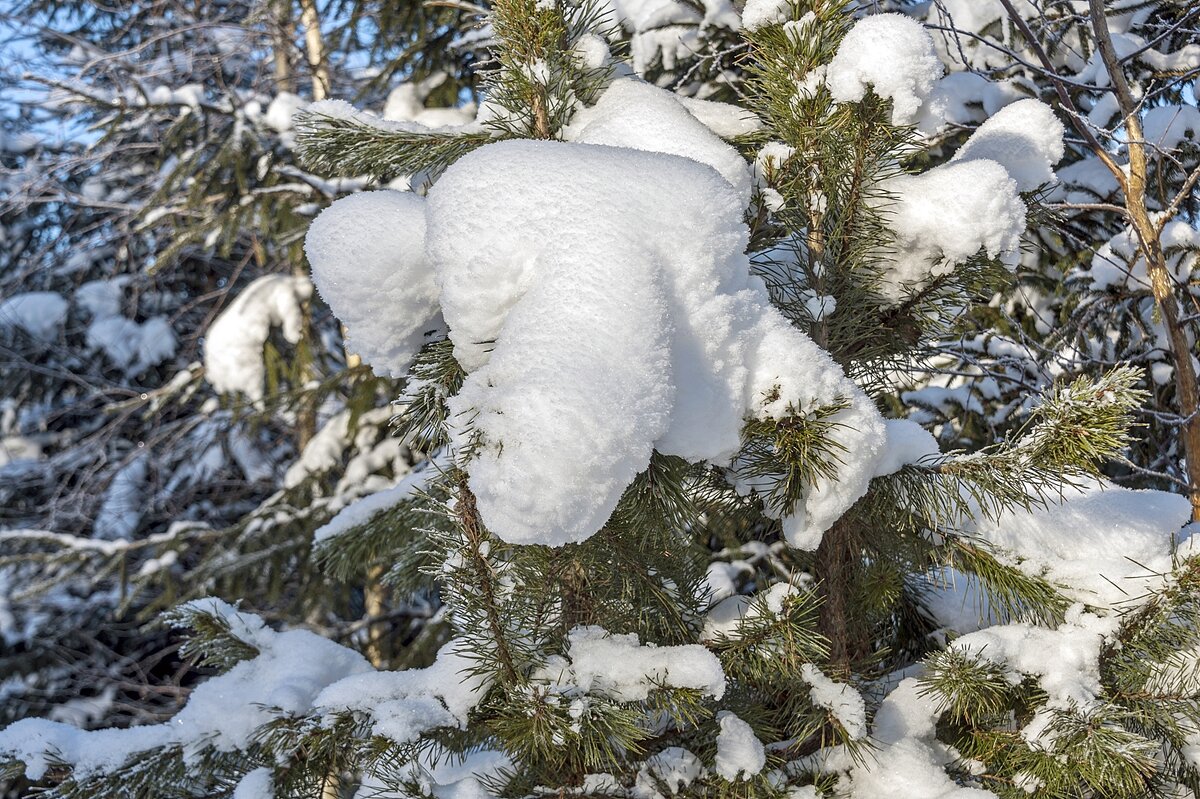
{"type": "Point", "coordinates": [635, 114]}
{"type": "Point", "coordinates": [38, 313]}
{"type": "Point", "coordinates": [1105, 544]}
{"type": "Point", "coordinates": [622, 669]}
{"type": "Point", "coordinates": [1025, 138]}
{"type": "Point", "coordinates": [739, 752]}
{"type": "Point", "coordinates": [840, 699]}
{"type": "Point", "coordinates": [760, 13]}
{"type": "Point", "coordinates": [908, 760]}
{"type": "Point", "coordinates": [589, 338]}
{"type": "Point", "coordinates": [233, 348]}
{"type": "Point", "coordinates": [407, 703]}
{"type": "Point", "coordinates": [891, 54]}
{"type": "Point", "coordinates": [1167, 127]}
{"type": "Point", "coordinates": [223, 712]}
{"type": "Point", "coordinates": [367, 253]}
{"type": "Point", "coordinates": [567, 320]}
{"type": "Point", "coordinates": [942, 217]}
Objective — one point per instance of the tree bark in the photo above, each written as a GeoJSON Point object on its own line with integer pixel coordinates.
{"type": "Point", "coordinates": [314, 47]}
{"type": "Point", "coordinates": [281, 44]}
{"type": "Point", "coordinates": [836, 563]}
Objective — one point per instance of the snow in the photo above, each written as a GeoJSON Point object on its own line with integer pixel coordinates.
{"type": "Point", "coordinates": [281, 110]}
{"type": "Point", "coordinates": [635, 114]}
{"type": "Point", "coordinates": [956, 601]}
{"type": "Point", "coordinates": [942, 217]}
{"type": "Point", "coordinates": [966, 98]}
{"type": "Point", "coordinates": [368, 263]}
{"type": "Point", "coordinates": [233, 348]}
{"type": "Point", "coordinates": [133, 346]}
{"type": "Point", "coordinates": [1167, 127]}
{"type": "Point", "coordinates": [760, 13]}
{"type": "Point", "coordinates": [770, 159]}
{"type": "Point", "coordinates": [1120, 261]}
{"type": "Point", "coordinates": [739, 752]}
{"type": "Point", "coordinates": [675, 767]}
{"type": "Point", "coordinates": [257, 784]}
{"type": "Point", "coordinates": [328, 449]}
{"type": "Point", "coordinates": [1065, 661]}
{"type": "Point", "coordinates": [724, 119]}
{"type": "Point", "coordinates": [666, 31]}
{"type": "Point", "coordinates": [101, 298]}
{"type": "Point", "coordinates": [1085, 181]}
{"type": "Point", "coordinates": [566, 320]}
{"type": "Point", "coordinates": [405, 704]}
{"type": "Point", "coordinates": [406, 103]}
{"type": "Point", "coordinates": [843, 702]}
{"type": "Point", "coordinates": [1026, 138]}
{"type": "Point", "coordinates": [18, 448]}
{"type": "Point", "coordinates": [908, 761]}
{"type": "Point", "coordinates": [891, 54]}
{"type": "Point", "coordinates": [39, 313]}
{"type": "Point", "coordinates": [223, 712]}
{"type": "Point", "coordinates": [1104, 543]}
{"type": "Point", "coordinates": [592, 52]}
{"type": "Point", "coordinates": [907, 442]}
{"type": "Point", "coordinates": [622, 669]}
{"type": "Point", "coordinates": [121, 510]}
{"type": "Point", "coordinates": [726, 616]}
{"type": "Point", "coordinates": [363, 510]}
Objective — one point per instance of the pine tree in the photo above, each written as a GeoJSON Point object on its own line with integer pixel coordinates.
{"type": "Point", "coordinates": [675, 544]}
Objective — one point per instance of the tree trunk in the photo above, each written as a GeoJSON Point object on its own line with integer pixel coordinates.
{"type": "Point", "coordinates": [315, 49]}
{"type": "Point", "coordinates": [836, 563]}
{"type": "Point", "coordinates": [281, 44]}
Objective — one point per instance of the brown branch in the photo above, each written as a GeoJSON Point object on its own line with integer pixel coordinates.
{"type": "Point", "coordinates": [468, 517]}
{"type": "Point", "coordinates": [1064, 96]}
{"type": "Point", "coordinates": [1162, 284]}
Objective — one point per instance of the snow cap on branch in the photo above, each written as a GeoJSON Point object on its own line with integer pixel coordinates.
{"type": "Point", "coordinates": [567, 320]}
{"type": "Point", "coordinates": [891, 54]}
{"type": "Point", "coordinates": [367, 253]}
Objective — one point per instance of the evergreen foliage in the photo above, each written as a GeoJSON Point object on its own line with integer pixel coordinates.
{"type": "Point", "coordinates": [686, 648]}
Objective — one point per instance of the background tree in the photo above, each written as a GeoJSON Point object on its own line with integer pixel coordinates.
{"type": "Point", "coordinates": [152, 204]}
{"type": "Point", "coordinates": [1110, 273]}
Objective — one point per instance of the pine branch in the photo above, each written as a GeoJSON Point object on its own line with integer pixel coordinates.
{"type": "Point", "coordinates": [354, 143]}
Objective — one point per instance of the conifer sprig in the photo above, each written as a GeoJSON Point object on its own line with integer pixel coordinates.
{"type": "Point", "coordinates": [357, 145]}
